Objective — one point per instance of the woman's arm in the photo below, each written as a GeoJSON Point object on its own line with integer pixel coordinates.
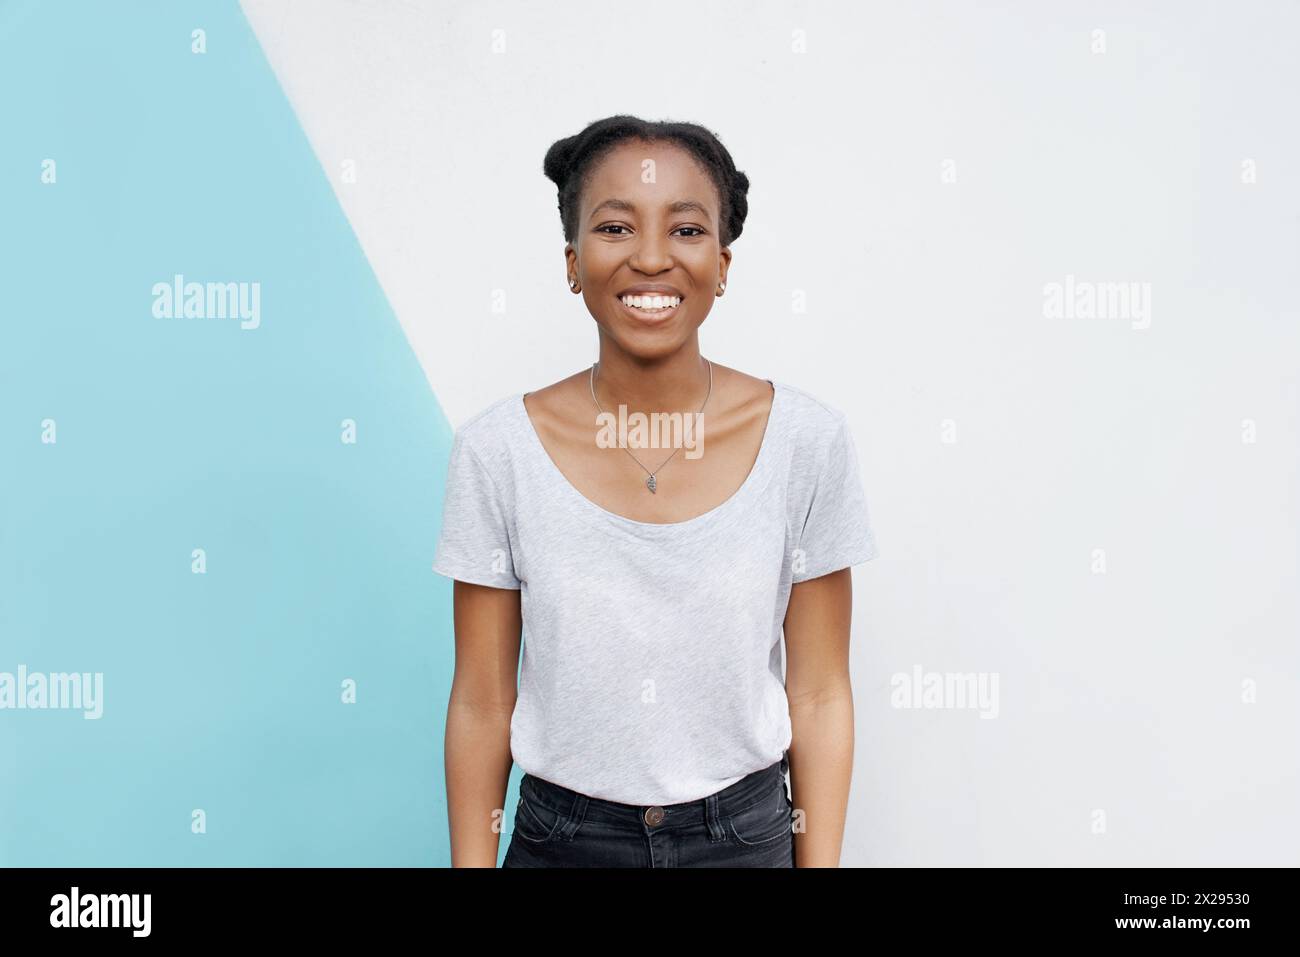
{"type": "Point", "coordinates": [821, 713]}
{"type": "Point", "coordinates": [488, 627]}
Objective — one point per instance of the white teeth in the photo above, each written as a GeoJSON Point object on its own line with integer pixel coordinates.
{"type": "Point", "coordinates": [652, 302]}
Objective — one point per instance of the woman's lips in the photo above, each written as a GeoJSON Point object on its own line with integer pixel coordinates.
{"type": "Point", "coordinates": [649, 318]}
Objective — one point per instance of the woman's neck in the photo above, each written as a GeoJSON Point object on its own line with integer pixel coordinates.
{"type": "Point", "coordinates": [676, 383]}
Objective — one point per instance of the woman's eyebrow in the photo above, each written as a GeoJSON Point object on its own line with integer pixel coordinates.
{"type": "Point", "coordinates": [681, 206]}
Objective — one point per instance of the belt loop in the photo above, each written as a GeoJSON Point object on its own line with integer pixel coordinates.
{"type": "Point", "coordinates": [713, 820]}
{"type": "Point", "coordinates": [576, 815]}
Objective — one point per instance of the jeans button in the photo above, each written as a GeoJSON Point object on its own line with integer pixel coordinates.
{"type": "Point", "coordinates": [654, 815]}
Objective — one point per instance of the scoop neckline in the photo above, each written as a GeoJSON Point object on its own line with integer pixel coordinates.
{"type": "Point", "coordinates": [754, 482]}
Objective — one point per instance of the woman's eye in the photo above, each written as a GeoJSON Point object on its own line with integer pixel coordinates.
{"type": "Point", "coordinates": [694, 230]}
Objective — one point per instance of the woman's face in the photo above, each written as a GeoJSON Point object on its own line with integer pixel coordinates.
{"type": "Point", "coordinates": [648, 225]}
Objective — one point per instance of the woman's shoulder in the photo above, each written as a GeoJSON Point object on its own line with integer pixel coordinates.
{"type": "Point", "coordinates": [492, 428]}
{"type": "Point", "coordinates": [798, 410]}
{"type": "Point", "coordinates": [811, 422]}
{"type": "Point", "coordinates": [810, 408]}
{"type": "Point", "coordinates": [814, 430]}
{"type": "Point", "coordinates": [504, 427]}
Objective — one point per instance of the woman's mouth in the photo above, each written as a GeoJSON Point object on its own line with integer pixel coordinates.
{"type": "Point", "coordinates": [650, 309]}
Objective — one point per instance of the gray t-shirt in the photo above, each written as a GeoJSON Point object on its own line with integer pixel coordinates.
{"type": "Point", "coordinates": [652, 669]}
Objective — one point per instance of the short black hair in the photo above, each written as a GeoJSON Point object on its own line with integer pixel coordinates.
{"type": "Point", "coordinates": [569, 162]}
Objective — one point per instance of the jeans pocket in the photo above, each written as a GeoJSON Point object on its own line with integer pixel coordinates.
{"type": "Point", "coordinates": [766, 821]}
{"type": "Point", "coordinates": [535, 822]}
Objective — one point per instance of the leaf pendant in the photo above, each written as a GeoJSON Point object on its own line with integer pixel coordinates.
{"type": "Point", "coordinates": [650, 483]}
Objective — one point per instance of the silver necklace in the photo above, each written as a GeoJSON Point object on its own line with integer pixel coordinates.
{"type": "Point", "coordinates": [650, 482]}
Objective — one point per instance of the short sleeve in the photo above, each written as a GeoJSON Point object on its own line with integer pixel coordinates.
{"type": "Point", "coordinates": [474, 544]}
{"type": "Point", "coordinates": [837, 532]}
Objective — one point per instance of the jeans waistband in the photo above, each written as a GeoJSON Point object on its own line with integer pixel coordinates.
{"type": "Point", "coordinates": [732, 799]}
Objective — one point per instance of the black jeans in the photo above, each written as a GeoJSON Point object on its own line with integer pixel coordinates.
{"type": "Point", "coordinates": [747, 824]}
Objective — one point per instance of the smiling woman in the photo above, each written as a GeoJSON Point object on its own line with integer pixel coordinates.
{"type": "Point", "coordinates": [657, 207]}
{"type": "Point", "coordinates": [652, 718]}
